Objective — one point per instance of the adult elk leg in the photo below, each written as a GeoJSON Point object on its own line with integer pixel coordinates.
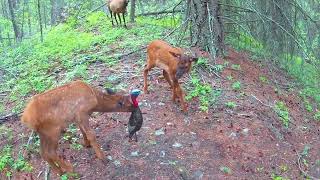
{"type": "Point", "coordinates": [119, 17]}
{"type": "Point", "coordinates": [115, 17]}
{"type": "Point", "coordinates": [111, 17]}
{"type": "Point", "coordinates": [124, 20]}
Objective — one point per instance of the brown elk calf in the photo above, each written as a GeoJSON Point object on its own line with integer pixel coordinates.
{"type": "Point", "coordinates": [50, 112]}
{"type": "Point", "coordinates": [174, 62]}
{"type": "Point", "coordinates": [116, 7]}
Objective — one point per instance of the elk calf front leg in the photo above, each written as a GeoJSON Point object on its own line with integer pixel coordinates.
{"type": "Point", "coordinates": [83, 121]}
{"type": "Point", "coordinates": [175, 85]}
{"type": "Point", "coordinates": [180, 94]}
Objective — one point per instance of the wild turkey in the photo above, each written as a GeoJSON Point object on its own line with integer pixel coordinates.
{"type": "Point", "coordinates": [136, 119]}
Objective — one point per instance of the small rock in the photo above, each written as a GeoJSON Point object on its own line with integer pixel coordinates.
{"type": "Point", "coordinates": [177, 145]}
{"type": "Point", "coordinates": [159, 132]}
{"type": "Point", "coordinates": [233, 135]}
{"type": "Point", "coordinates": [161, 104]}
{"type": "Point", "coordinates": [109, 158]}
{"type": "Point", "coordinates": [135, 153]}
{"type": "Point", "coordinates": [117, 163]}
{"type": "Point", "coordinates": [170, 124]}
{"type": "Point", "coordinates": [162, 154]}
{"type": "Point", "coordinates": [183, 172]}
{"type": "Point", "coordinates": [197, 175]}
{"type": "Point", "coordinates": [245, 131]}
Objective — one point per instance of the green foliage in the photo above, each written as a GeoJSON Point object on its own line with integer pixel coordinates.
{"type": "Point", "coordinates": [8, 162]}
{"type": "Point", "coordinates": [263, 79]}
{"type": "Point", "coordinates": [317, 116]}
{"type": "Point", "coordinates": [229, 78]}
{"type": "Point", "coordinates": [236, 67]}
{"type": "Point", "coordinates": [282, 111]}
{"type": "Point", "coordinates": [203, 91]}
{"type": "Point", "coordinates": [277, 177]}
{"type": "Point", "coordinates": [244, 41]}
{"type": "Point", "coordinates": [71, 136]}
{"type": "Point", "coordinates": [200, 90]}
{"type": "Point", "coordinates": [68, 50]}
{"type": "Point", "coordinates": [21, 164]}
{"type": "Point", "coordinates": [69, 176]}
{"type": "Point", "coordinates": [225, 169]}
{"type": "Point", "coordinates": [231, 105]}
{"type": "Point", "coordinates": [236, 85]}
{"type": "Point", "coordinates": [6, 158]}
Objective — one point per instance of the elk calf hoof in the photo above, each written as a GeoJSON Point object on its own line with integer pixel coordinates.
{"type": "Point", "coordinates": [86, 144]}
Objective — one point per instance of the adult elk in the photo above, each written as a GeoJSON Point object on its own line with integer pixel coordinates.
{"type": "Point", "coordinates": [116, 7]}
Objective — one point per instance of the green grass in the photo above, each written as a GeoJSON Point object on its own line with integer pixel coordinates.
{"type": "Point", "coordinates": [236, 86]}
{"type": "Point", "coordinates": [263, 79]}
{"type": "Point", "coordinates": [9, 164]}
{"type": "Point", "coordinates": [68, 50]}
{"type": "Point", "coordinates": [71, 136]}
{"type": "Point", "coordinates": [317, 116]}
{"type": "Point", "coordinates": [282, 111]}
{"type": "Point", "coordinates": [231, 105]}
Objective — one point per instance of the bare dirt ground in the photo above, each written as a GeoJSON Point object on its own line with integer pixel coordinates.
{"type": "Point", "coordinates": [249, 140]}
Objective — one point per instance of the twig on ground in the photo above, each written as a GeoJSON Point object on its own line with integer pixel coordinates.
{"type": "Point", "coordinates": [261, 102]}
{"type": "Point", "coordinates": [39, 174]}
{"type": "Point", "coordinates": [302, 171]}
{"type": "Point", "coordinates": [7, 117]}
{"type": "Point", "coordinates": [28, 143]}
{"type": "Point", "coordinates": [47, 172]}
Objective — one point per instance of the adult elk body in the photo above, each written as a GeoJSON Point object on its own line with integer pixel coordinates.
{"type": "Point", "coordinates": [50, 113]}
{"type": "Point", "coordinates": [173, 61]}
{"type": "Point", "coordinates": [117, 7]}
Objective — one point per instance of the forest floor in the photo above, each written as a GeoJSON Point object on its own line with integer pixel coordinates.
{"type": "Point", "coordinates": [248, 141]}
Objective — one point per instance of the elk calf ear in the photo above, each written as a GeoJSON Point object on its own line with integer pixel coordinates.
{"type": "Point", "coordinates": [194, 59]}
{"type": "Point", "coordinates": [176, 55]}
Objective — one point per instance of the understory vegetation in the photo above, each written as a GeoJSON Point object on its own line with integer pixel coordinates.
{"type": "Point", "coordinates": [72, 49]}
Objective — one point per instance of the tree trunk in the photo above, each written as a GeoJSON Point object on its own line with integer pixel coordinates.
{"type": "Point", "coordinates": [13, 20]}
{"type": "Point", "coordinates": [44, 15]}
{"type": "Point", "coordinates": [132, 10]}
{"type": "Point", "coordinates": [29, 17]}
{"type": "Point", "coordinates": [1, 40]}
{"type": "Point", "coordinates": [206, 25]}
{"type": "Point", "coordinates": [53, 12]}
{"type": "Point", "coordinates": [22, 24]}
{"type": "Point", "coordinates": [40, 21]}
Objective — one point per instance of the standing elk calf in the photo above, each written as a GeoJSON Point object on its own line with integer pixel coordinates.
{"type": "Point", "coordinates": [50, 113]}
{"type": "Point", "coordinates": [116, 7]}
{"type": "Point", "coordinates": [174, 63]}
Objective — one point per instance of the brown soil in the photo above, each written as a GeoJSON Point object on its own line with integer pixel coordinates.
{"type": "Point", "coordinates": [249, 139]}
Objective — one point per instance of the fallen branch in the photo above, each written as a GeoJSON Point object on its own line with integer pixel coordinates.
{"type": "Point", "coordinates": [94, 10]}
{"type": "Point", "coordinates": [28, 143]}
{"type": "Point", "coordinates": [302, 171]}
{"type": "Point", "coordinates": [158, 13]}
{"type": "Point", "coordinates": [47, 172]}
{"type": "Point", "coordinates": [262, 102]}
{"type": "Point", "coordinates": [9, 116]}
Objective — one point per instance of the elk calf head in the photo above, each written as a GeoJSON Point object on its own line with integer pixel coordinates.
{"type": "Point", "coordinates": [184, 63]}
